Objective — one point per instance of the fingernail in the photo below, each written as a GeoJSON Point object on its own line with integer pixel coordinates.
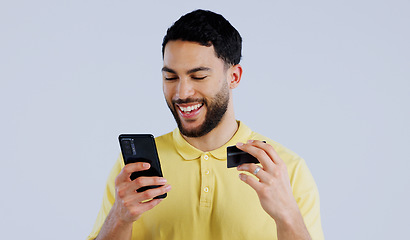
{"type": "Point", "coordinates": [145, 165]}
{"type": "Point", "coordinates": [250, 141]}
{"type": "Point", "coordinates": [243, 168]}
{"type": "Point", "coordinates": [162, 180]}
{"type": "Point", "coordinates": [242, 177]}
{"type": "Point", "coordinates": [239, 144]}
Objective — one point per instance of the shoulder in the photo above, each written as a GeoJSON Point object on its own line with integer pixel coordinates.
{"type": "Point", "coordinates": [166, 144]}
{"type": "Point", "coordinates": [288, 156]}
{"type": "Point", "coordinates": [164, 140]}
{"type": "Point", "coordinates": [300, 176]}
{"type": "Point", "coordinates": [298, 170]}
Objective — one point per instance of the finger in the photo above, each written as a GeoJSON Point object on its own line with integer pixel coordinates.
{"type": "Point", "coordinates": [251, 167]}
{"type": "Point", "coordinates": [128, 169]}
{"type": "Point", "coordinates": [258, 153]}
{"type": "Point", "coordinates": [255, 184]}
{"type": "Point", "coordinates": [268, 149]}
{"type": "Point", "coordinates": [137, 208]}
{"type": "Point", "coordinates": [150, 204]}
{"type": "Point", "coordinates": [151, 193]}
{"type": "Point", "coordinates": [146, 181]}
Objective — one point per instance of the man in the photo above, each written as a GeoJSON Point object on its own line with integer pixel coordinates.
{"type": "Point", "coordinates": [276, 199]}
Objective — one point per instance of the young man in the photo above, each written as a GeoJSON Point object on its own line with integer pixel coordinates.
{"type": "Point", "coordinates": [276, 199]}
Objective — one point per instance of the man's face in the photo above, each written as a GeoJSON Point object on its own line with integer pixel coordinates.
{"type": "Point", "coordinates": [195, 87]}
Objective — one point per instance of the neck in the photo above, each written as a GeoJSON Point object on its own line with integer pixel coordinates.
{"type": "Point", "coordinates": [216, 138]}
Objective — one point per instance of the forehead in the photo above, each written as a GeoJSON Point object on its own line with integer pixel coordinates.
{"type": "Point", "coordinates": [184, 55]}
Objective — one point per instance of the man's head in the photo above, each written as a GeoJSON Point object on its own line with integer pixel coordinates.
{"type": "Point", "coordinates": [201, 53]}
{"type": "Point", "coordinates": [208, 29]}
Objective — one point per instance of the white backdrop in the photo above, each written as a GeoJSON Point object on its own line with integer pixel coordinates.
{"type": "Point", "coordinates": [328, 79]}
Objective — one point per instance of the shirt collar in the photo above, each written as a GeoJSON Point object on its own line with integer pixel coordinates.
{"type": "Point", "coordinates": [189, 152]}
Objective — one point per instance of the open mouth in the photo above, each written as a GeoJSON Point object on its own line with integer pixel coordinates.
{"type": "Point", "coordinates": [191, 110]}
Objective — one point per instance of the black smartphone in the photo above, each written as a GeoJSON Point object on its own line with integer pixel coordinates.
{"type": "Point", "coordinates": [141, 148]}
{"type": "Point", "coordinates": [236, 157]}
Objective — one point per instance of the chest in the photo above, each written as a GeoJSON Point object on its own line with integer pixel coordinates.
{"type": "Point", "coordinates": [207, 201]}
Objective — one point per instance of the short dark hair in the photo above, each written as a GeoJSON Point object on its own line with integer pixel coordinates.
{"type": "Point", "coordinates": [208, 29]}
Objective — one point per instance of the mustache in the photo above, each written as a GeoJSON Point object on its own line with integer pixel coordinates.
{"type": "Point", "coordinates": [188, 100]}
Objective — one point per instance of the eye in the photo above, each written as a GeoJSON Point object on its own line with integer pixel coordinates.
{"type": "Point", "coordinates": [170, 78]}
{"type": "Point", "coordinates": [198, 78]}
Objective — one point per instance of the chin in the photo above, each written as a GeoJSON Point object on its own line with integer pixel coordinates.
{"type": "Point", "coordinates": [190, 130]}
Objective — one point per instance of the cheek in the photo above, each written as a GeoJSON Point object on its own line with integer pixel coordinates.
{"type": "Point", "coordinates": [211, 90]}
{"type": "Point", "coordinates": [167, 91]}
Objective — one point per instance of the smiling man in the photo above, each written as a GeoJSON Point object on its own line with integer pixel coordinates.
{"type": "Point", "coordinates": [197, 87]}
{"type": "Point", "coordinates": [276, 199]}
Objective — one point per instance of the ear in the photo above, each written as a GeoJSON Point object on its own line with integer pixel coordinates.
{"type": "Point", "coordinates": [235, 74]}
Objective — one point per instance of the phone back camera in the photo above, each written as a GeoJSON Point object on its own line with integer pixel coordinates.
{"type": "Point", "coordinates": [127, 147]}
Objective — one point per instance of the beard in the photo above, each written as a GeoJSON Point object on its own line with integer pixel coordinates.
{"type": "Point", "coordinates": [216, 109]}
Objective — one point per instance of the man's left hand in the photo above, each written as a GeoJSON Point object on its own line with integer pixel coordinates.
{"type": "Point", "coordinates": [273, 188]}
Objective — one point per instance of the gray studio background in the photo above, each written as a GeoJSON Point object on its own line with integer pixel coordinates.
{"type": "Point", "coordinates": [328, 79]}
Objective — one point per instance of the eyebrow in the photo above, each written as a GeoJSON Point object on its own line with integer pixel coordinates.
{"type": "Point", "coordinates": [165, 69]}
{"type": "Point", "coordinates": [198, 69]}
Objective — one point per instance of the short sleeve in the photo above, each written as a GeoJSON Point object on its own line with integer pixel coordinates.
{"type": "Point", "coordinates": [306, 194]}
{"type": "Point", "coordinates": [108, 199]}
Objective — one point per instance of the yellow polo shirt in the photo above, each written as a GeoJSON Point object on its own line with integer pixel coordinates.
{"type": "Point", "coordinates": [208, 200]}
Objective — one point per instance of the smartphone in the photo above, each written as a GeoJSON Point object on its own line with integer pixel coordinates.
{"type": "Point", "coordinates": [141, 148]}
{"type": "Point", "coordinates": [236, 157]}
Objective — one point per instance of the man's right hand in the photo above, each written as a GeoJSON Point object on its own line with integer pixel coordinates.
{"type": "Point", "coordinates": [129, 204]}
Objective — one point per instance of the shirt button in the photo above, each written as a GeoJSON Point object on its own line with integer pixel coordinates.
{"type": "Point", "coordinates": [206, 172]}
{"type": "Point", "coordinates": [206, 157]}
{"type": "Point", "coordinates": [206, 189]}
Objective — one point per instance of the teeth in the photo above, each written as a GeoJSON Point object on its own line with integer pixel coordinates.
{"type": "Point", "coordinates": [190, 108]}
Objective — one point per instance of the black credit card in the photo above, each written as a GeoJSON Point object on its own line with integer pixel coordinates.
{"type": "Point", "coordinates": [236, 157]}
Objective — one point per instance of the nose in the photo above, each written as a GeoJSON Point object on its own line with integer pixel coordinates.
{"type": "Point", "coordinates": [185, 89]}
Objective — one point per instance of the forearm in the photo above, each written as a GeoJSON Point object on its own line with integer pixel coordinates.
{"type": "Point", "coordinates": [114, 228]}
{"type": "Point", "coordinates": [292, 228]}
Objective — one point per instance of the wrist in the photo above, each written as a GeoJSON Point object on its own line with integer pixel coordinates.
{"type": "Point", "coordinates": [120, 218]}
{"type": "Point", "coordinates": [292, 226]}
{"type": "Point", "coordinates": [115, 227]}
